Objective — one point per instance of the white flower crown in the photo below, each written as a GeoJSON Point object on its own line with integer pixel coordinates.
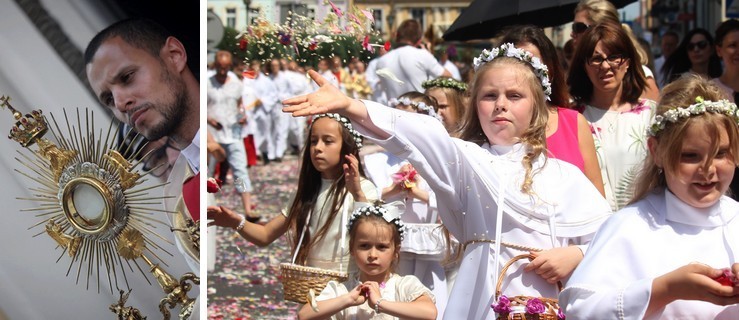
{"type": "Point", "coordinates": [419, 105]}
{"type": "Point", "coordinates": [389, 212]}
{"type": "Point", "coordinates": [344, 122]}
{"type": "Point", "coordinates": [509, 50]}
{"type": "Point", "coordinates": [699, 107]}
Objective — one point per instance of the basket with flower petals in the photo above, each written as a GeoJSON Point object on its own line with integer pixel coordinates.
{"type": "Point", "coordinates": [524, 307]}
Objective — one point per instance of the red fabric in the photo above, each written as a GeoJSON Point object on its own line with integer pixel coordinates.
{"type": "Point", "coordinates": [191, 195]}
{"type": "Point", "coordinates": [251, 151]}
{"type": "Point", "coordinates": [564, 144]}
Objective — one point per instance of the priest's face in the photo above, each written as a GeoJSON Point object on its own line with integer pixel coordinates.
{"type": "Point", "coordinates": [702, 175]}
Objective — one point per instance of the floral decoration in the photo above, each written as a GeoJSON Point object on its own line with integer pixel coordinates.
{"type": "Point", "coordinates": [406, 177]}
{"type": "Point", "coordinates": [445, 83]}
{"type": "Point", "coordinates": [700, 106]}
{"type": "Point", "coordinates": [727, 278]}
{"type": "Point", "coordinates": [535, 306]}
{"type": "Point", "coordinates": [420, 105]}
{"type": "Point", "coordinates": [344, 121]}
{"type": "Point", "coordinates": [509, 50]}
{"type": "Point", "coordinates": [503, 306]}
{"type": "Point", "coordinates": [302, 37]}
{"type": "Point", "coordinates": [389, 213]}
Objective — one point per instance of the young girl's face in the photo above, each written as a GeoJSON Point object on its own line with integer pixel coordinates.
{"type": "Point", "coordinates": [373, 249]}
{"type": "Point", "coordinates": [692, 182]}
{"type": "Point", "coordinates": [505, 103]}
{"type": "Point", "coordinates": [325, 147]}
{"type": "Point", "coordinates": [448, 116]}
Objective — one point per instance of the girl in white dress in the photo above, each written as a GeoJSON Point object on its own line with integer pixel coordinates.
{"type": "Point", "coordinates": [425, 245]}
{"type": "Point", "coordinates": [329, 184]}
{"type": "Point", "coordinates": [375, 292]}
{"type": "Point", "coordinates": [496, 191]}
{"type": "Point", "coordinates": [659, 257]}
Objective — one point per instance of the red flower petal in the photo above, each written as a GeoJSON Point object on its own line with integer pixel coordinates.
{"type": "Point", "coordinates": [726, 279]}
{"type": "Point", "coordinates": [213, 185]}
{"type": "Point", "coordinates": [242, 44]}
{"type": "Point", "coordinates": [387, 45]}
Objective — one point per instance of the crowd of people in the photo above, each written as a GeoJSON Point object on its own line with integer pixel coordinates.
{"type": "Point", "coordinates": [589, 186]}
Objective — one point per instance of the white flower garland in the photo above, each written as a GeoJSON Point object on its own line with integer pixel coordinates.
{"type": "Point", "coordinates": [509, 50]}
{"type": "Point", "coordinates": [391, 216]}
{"type": "Point", "coordinates": [700, 107]}
{"type": "Point", "coordinates": [393, 103]}
{"type": "Point", "coordinates": [344, 121]}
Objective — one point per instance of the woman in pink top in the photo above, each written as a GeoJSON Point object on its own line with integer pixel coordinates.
{"type": "Point", "coordinates": [568, 133]}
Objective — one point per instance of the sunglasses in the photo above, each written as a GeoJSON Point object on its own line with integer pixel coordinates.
{"type": "Point", "coordinates": [579, 27]}
{"type": "Point", "coordinates": [700, 45]}
{"type": "Point", "coordinates": [614, 60]}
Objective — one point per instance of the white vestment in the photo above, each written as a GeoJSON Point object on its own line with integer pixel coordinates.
{"type": "Point", "coordinates": [650, 238]}
{"type": "Point", "coordinates": [470, 181]}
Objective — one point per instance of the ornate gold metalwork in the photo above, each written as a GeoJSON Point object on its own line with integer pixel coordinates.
{"type": "Point", "coordinates": [123, 167]}
{"type": "Point", "coordinates": [84, 224]}
{"type": "Point", "coordinates": [72, 244]}
{"type": "Point", "coordinates": [26, 129]}
{"type": "Point", "coordinates": [58, 157]}
{"type": "Point", "coordinates": [131, 246]}
{"type": "Point", "coordinates": [123, 312]}
{"type": "Point", "coordinates": [192, 230]}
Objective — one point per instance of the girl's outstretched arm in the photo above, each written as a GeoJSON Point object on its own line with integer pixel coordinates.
{"type": "Point", "coordinates": [327, 308]}
{"type": "Point", "coordinates": [329, 99]}
{"type": "Point", "coordinates": [261, 235]}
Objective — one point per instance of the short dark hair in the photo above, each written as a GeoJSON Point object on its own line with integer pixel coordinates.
{"type": "Point", "coordinates": [409, 30]}
{"type": "Point", "coordinates": [725, 28]}
{"type": "Point", "coordinates": [140, 33]}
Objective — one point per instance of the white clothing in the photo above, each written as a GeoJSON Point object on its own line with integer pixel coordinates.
{"type": "Point", "coordinates": [378, 92]}
{"type": "Point", "coordinates": [266, 91]}
{"type": "Point", "coordinates": [410, 65]}
{"type": "Point", "coordinates": [329, 76]}
{"type": "Point", "coordinates": [645, 240]}
{"type": "Point", "coordinates": [224, 107]}
{"type": "Point", "coordinates": [186, 165]}
{"type": "Point", "coordinates": [329, 252]}
{"type": "Point", "coordinates": [281, 120]}
{"type": "Point", "coordinates": [397, 288]}
{"type": "Point", "coordinates": [621, 146]}
{"type": "Point", "coordinates": [422, 249]}
{"type": "Point", "coordinates": [470, 181]}
{"type": "Point", "coordinates": [449, 65]}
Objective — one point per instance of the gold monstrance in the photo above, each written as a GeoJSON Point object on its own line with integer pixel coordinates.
{"type": "Point", "coordinates": [92, 205]}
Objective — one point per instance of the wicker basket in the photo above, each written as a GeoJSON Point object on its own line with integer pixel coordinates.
{"type": "Point", "coordinates": [518, 303]}
{"type": "Point", "coordinates": [297, 280]}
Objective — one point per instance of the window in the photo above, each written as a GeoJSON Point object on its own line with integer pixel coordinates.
{"type": "Point", "coordinates": [298, 9]}
{"type": "Point", "coordinates": [377, 15]}
{"type": "Point", "coordinates": [231, 17]}
{"type": "Point", "coordinates": [418, 14]}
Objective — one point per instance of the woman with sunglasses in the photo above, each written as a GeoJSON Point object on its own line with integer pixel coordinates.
{"type": "Point", "coordinates": [606, 81]}
{"type": "Point", "coordinates": [694, 54]}
{"type": "Point", "coordinates": [593, 12]}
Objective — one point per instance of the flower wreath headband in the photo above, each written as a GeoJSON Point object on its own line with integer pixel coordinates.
{"type": "Point", "coordinates": [445, 83]}
{"type": "Point", "coordinates": [700, 106]}
{"type": "Point", "coordinates": [344, 122]}
{"type": "Point", "coordinates": [389, 212]}
{"type": "Point", "coordinates": [419, 105]}
{"type": "Point", "coordinates": [509, 50]}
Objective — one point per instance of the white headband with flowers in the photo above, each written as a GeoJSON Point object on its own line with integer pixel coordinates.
{"type": "Point", "coordinates": [389, 212]}
{"type": "Point", "coordinates": [700, 106]}
{"type": "Point", "coordinates": [344, 121]}
{"type": "Point", "coordinates": [509, 50]}
{"type": "Point", "coordinates": [420, 105]}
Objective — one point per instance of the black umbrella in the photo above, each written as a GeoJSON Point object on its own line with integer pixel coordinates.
{"type": "Point", "coordinates": [483, 19]}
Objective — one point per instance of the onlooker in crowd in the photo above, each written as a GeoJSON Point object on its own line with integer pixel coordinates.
{"type": "Point", "coordinates": [408, 75]}
{"type": "Point", "coordinates": [668, 44]}
{"type": "Point", "coordinates": [607, 90]}
{"type": "Point", "coordinates": [696, 54]}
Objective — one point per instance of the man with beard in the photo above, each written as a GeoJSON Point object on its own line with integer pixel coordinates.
{"type": "Point", "coordinates": [139, 71]}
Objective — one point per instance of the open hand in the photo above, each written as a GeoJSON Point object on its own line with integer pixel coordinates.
{"type": "Point", "coordinates": [326, 99]}
{"type": "Point", "coordinates": [555, 264]}
{"type": "Point", "coordinates": [223, 217]}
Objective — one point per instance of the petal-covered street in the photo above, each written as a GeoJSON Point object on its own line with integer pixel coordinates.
{"type": "Point", "coordinates": [244, 283]}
